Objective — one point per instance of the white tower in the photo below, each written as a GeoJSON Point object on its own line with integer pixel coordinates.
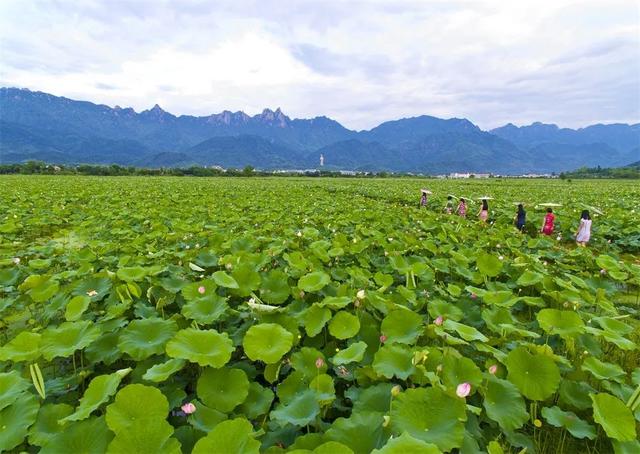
{"type": "Point", "coordinates": [321, 160]}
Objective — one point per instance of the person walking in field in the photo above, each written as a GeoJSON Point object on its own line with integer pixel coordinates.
{"type": "Point", "coordinates": [448, 208]}
{"type": "Point", "coordinates": [423, 200]}
{"type": "Point", "coordinates": [521, 217]}
{"type": "Point", "coordinates": [547, 223]}
{"type": "Point", "coordinates": [584, 229]}
{"type": "Point", "coordinates": [462, 208]}
{"type": "Point", "coordinates": [483, 214]}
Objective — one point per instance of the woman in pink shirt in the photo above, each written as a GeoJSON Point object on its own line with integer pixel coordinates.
{"type": "Point", "coordinates": [462, 208]}
{"type": "Point", "coordinates": [547, 224]}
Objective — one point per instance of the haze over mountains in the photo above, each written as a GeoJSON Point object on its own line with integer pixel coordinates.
{"type": "Point", "coordinates": [36, 125]}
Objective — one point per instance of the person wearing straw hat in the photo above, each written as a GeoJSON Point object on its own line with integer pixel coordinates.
{"type": "Point", "coordinates": [423, 198]}
{"type": "Point", "coordinates": [584, 230]}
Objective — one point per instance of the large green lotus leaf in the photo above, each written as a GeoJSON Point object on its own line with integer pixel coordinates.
{"type": "Point", "coordinates": [66, 338]}
{"type": "Point", "coordinates": [504, 404]}
{"type": "Point", "coordinates": [145, 437]}
{"type": "Point", "coordinates": [460, 370]}
{"type": "Point", "coordinates": [275, 287]}
{"type": "Point", "coordinates": [362, 431]}
{"type": "Point", "coordinates": [353, 353]}
{"type": "Point", "coordinates": [344, 325]}
{"type": "Point", "coordinates": [576, 394]}
{"type": "Point", "coordinates": [144, 338]}
{"type": "Point", "coordinates": [304, 360]}
{"type": "Point", "coordinates": [376, 398]}
{"type": "Point", "coordinates": [41, 288]}
{"type": "Point", "coordinates": [193, 291]}
{"type": "Point", "coordinates": [332, 447]}
{"type": "Point", "coordinates": [90, 436]}
{"type": "Point", "coordinates": [258, 402]}
{"type": "Point", "coordinates": [46, 426]}
{"type": "Point", "coordinates": [300, 411]}
{"type": "Point", "coordinates": [161, 372]}
{"type": "Point", "coordinates": [393, 360]}
{"type": "Point", "coordinates": [564, 323]}
{"type": "Point", "coordinates": [536, 375]}
{"type": "Point", "coordinates": [324, 388]}
{"type": "Point", "coordinates": [132, 274]}
{"type": "Point", "coordinates": [12, 385]}
{"type": "Point", "coordinates": [224, 280]}
{"type": "Point", "coordinates": [335, 302]}
{"type": "Point", "coordinates": [174, 284]}
{"type": "Point", "coordinates": [576, 426]}
{"type": "Point", "coordinates": [223, 389]}
{"type": "Point", "coordinates": [9, 276]}
{"type": "Point", "coordinates": [468, 333]}
{"type": "Point", "coordinates": [233, 436]}
{"type": "Point", "coordinates": [248, 279]}
{"type": "Point", "coordinates": [99, 391]}
{"type": "Point", "coordinates": [430, 415]}
{"type": "Point", "coordinates": [602, 370]}
{"type": "Point", "coordinates": [315, 318]}
{"type": "Point", "coordinates": [626, 447]}
{"type": "Point", "coordinates": [267, 342]}
{"type": "Point", "coordinates": [205, 347]}
{"type": "Point", "coordinates": [489, 265]}
{"type": "Point", "coordinates": [76, 307]}
{"type": "Point", "coordinates": [100, 285]}
{"type": "Point", "coordinates": [402, 326]}
{"type": "Point", "coordinates": [205, 418]}
{"type": "Point", "coordinates": [205, 310]}
{"type": "Point", "coordinates": [406, 444]}
{"type": "Point", "coordinates": [529, 278]}
{"type": "Point", "coordinates": [134, 403]}
{"type": "Point", "coordinates": [15, 421]}
{"type": "Point", "coordinates": [614, 416]}
{"type": "Point", "coordinates": [313, 282]}
{"type": "Point", "coordinates": [104, 349]}
{"type": "Point", "coordinates": [290, 387]}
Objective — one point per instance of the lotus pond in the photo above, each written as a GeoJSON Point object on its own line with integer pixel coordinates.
{"type": "Point", "coordinates": [167, 315]}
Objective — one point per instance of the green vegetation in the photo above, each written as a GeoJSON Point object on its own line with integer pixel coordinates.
{"type": "Point", "coordinates": [628, 172]}
{"type": "Point", "coordinates": [315, 315]}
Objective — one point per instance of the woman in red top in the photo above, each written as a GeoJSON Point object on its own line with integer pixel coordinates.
{"type": "Point", "coordinates": [547, 225]}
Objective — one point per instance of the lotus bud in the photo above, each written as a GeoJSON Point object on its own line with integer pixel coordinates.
{"type": "Point", "coordinates": [197, 245]}
{"type": "Point", "coordinates": [319, 363]}
{"type": "Point", "coordinates": [609, 241]}
{"type": "Point", "coordinates": [473, 296]}
{"type": "Point", "coordinates": [357, 303]}
{"type": "Point", "coordinates": [397, 389]}
{"type": "Point", "coordinates": [439, 320]}
{"type": "Point", "coordinates": [299, 234]}
{"type": "Point", "coordinates": [16, 260]}
{"type": "Point", "coordinates": [501, 258]}
{"type": "Point", "coordinates": [301, 294]}
{"type": "Point", "coordinates": [493, 369]}
{"type": "Point", "coordinates": [545, 263]}
{"type": "Point", "coordinates": [188, 408]}
{"type": "Point", "coordinates": [603, 271]}
{"type": "Point", "coordinates": [229, 266]}
{"type": "Point", "coordinates": [187, 246]}
{"type": "Point", "coordinates": [498, 246]}
{"type": "Point", "coordinates": [252, 300]}
{"type": "Point", "coordinates": [537, 423]}
{"type": "Point", "coordinates": [565, 304]}
{"type": "Point", "coordinates": [439, 368]}
{"type": "Point", "coordinates": [390, 239]}
{"type": "Point", "coordinates": [201, 290]}
{"type": "Point", "coordinates": [463, 390]}
{"type": "Point", "coordinates": [360, 295]}
{"type": "Point", "coordinates": [92, 293]}
{"type": "Point", "coordinates": [558, 238]}
{"type": "Point", "coordinates": [383, 338]}
{"type": "Point", "coordinates": [386, 420]}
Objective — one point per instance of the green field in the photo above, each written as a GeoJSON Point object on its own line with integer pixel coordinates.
{"type": "Point", "coordinates": [315, 315]}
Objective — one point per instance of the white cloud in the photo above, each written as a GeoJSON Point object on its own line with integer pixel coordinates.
{"type": "Point", "coordinates": [565, 61]}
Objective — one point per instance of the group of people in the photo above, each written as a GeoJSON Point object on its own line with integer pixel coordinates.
{"type": "Point", "coordinates": [583, 234]}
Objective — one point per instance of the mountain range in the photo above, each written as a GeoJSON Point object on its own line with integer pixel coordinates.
{"type": "Point", "coordinates": [36, 125]}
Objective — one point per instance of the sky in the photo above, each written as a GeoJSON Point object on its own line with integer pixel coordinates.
{"type": "Point", "coordinates": [572, 63]}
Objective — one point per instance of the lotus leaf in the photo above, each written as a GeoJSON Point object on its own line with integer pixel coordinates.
{"type": "Point", "coordinates": [489, 265]}
{"type": "Point", "coordinates": [504, 404]}
{"type": "Point", "coordinates": [15, 421]}
{"type": "Point", "coordinates": [65, 339]}
{"type": "Point", "coordinates": [136, 403]}
{"type": "Point", "coordinates": [313, 282]}
{"type": "Point", "coordinates": [46, 426]}
{"type": "Point", "coordinates": [147, 337]}
{"type": "Point", "coordinates": [536, 375]}
{"type": "Point", "coordinates": [300, 411]}
{"type": "Point", "coordinates": [362, 431]}
{"type": "Point", "coordinates": [602, 370]}
{"type": "Point", "coordinates": [24, 347]}
{"type": "Point", "coordinates": [275, 288]}
{"type": "Point", "coordinates": [267, 342]}
{"type": "Point", "coordinates": [305, 361]}
{"type": "Point", "coordinates": [233, 436]}
{"type": "Point", "coordinates": [76, 307]}
{"type": "Point", "coordinates": [402, 326]}
{"type": "Point", "coordinates": [258, 402]}
{"type": "Point", "coordinates": [393, 360]}
{"type": "Point", "coordinates": [90, 436]}
{"type": "Point", "coordinates": [161, 372]}
{"type": "Point", "coordinates": [223, 389]}
{"type": "Point", "coordinates": [353, 353]}
{"type": "Point", "coordinates": [344, 325]}
{"type": "Point", "coordinates": [315, 318]}
{"type": "Point", "coordinates": [145, 436]}
{"type": "Point", "coordinates": [576, 426]}
{"type": "Point", "coordinates": [205, 418]}
{"type": "Point", "coordinates": [614, 416]}
{"type": "Point", "coordinates": [564, 323]}
{"type": "Point", "coordinates": [224, 280]}
{"type": "Point", "coordinates": [205, 347]}
{"type": "Point", "coordinates": [404, 444]}
{"type": "Point", "coordinates": [529, 278]}
{"type": "Point", "coordinates": [132, 274]}
{"type": "Point", "coordinates": [205, 310]}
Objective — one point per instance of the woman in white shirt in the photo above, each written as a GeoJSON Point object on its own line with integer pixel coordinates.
{"type": "Point", "coordinates": [584, 230]}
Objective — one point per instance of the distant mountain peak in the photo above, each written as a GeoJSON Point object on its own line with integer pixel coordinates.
{"type": "Point", "coordinates": [276, 118]}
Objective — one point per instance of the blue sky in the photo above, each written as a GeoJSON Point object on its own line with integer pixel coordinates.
{"type": "Point", "coordinates": [360, 62]}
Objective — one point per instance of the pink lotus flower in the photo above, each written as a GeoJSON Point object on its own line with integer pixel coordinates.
{"type": "Point", "coordinates": [201, 290]}
{"type": "Point", "coordinates": [463, 389]}
{"type": "Point", "coordinates": [383, 338]}
{"type": "Point", "coordinates": [493, 369]}
{"type": "Point", "coordinates": [473, 296]}
{"type": "Point", "coordinates": [188, 408]}
{"type": "Point", "coordinates": [439, 320]}
{"type": "Point", "coordinates": [319, 363]}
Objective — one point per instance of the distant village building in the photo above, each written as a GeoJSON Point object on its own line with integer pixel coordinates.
{"type": "Point", "coordinates": [469, 175]}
